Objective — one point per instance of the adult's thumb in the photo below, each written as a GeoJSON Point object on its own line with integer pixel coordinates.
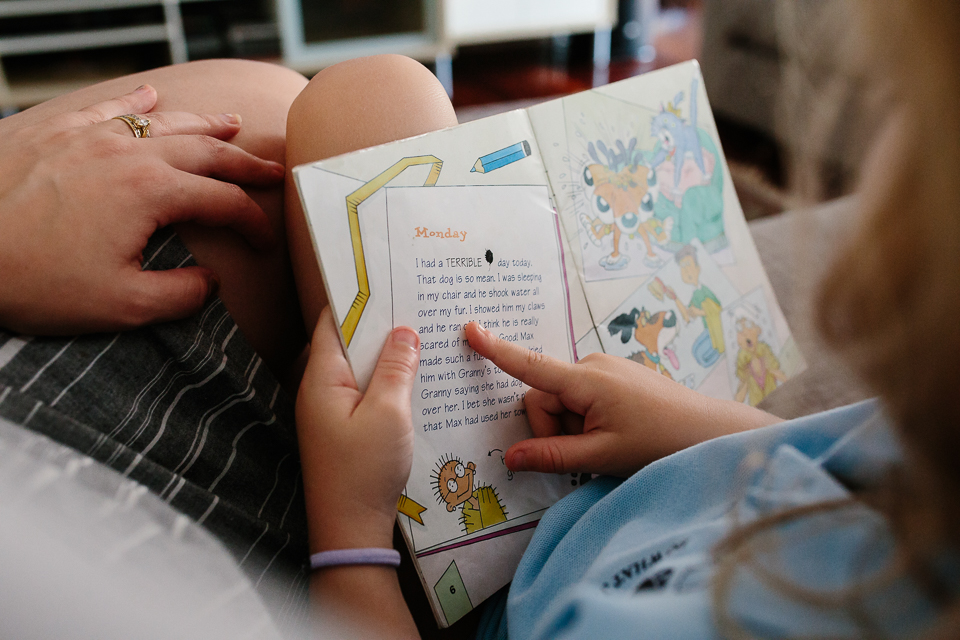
{"type": "Point", "coordinates": [392, 380]}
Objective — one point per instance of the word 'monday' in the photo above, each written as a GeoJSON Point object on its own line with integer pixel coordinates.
{"type": "Point", "coordinates": [424, 232]}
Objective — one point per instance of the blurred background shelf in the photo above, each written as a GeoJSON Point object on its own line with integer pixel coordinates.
{"type": "Point", "coordinates": [49, 47]}
{"type": "Point", "coordinates": [491, 55]}
{"type": "Point", "coordinates": [316, 34]}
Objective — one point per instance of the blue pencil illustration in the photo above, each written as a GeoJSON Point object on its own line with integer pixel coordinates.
{"type": "Point", "coordinates": [501, 158]}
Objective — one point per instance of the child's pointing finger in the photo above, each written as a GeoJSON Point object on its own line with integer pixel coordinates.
{"type": "Point", "coordinates": [536, 369]}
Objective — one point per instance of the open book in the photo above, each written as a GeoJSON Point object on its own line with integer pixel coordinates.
{"type": "Point", "coordinates": [603, 221]}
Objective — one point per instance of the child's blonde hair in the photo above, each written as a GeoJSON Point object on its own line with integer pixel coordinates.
{"type": "Point", "coordinates": [891, 304]}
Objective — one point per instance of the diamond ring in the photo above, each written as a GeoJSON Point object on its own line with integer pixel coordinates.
{"type": "Point", "coordinates": [138, 124]}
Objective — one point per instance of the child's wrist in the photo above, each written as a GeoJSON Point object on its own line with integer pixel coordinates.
{"type": "Point", "coordinates": [331, 530]}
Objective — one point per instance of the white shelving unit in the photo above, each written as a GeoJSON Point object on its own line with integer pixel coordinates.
{"type": "Point", "coordinates": [17, 96]}
{"type": "Point", "coordinates": [309, 57]}
{"type": "Point", "coordinates": [451, 23]}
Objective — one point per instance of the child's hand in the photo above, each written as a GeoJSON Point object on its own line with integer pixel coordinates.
{"type": "Point", "coordinates": [606, 414]}
{"type": "Point", "coordinates": [356, 449]}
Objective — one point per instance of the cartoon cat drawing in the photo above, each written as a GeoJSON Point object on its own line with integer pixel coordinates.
{"type": "Point", "coordinates": [678, 138]}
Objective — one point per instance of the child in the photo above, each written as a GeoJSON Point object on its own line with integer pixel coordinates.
{"type": "Point", "coordinates": [841, 524]}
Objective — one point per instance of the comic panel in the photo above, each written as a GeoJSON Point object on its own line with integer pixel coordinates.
{"type": "Point", "coordinates": [755, 363]}
{"type": "Point", "coordinates": [673, 323]}
{"type": "Point", "coordinates": [643, 182]}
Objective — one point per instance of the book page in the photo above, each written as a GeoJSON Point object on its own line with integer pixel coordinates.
{"type": "Point", "coordinates": [434, 232]}
{"type": "Point", "coordinates": [452, 262]}
{"type": "Point", "coordinates": [655, 230]}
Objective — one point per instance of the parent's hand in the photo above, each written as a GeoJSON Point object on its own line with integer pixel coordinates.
{"type": "Point", "coordinates": [80, 196]}
{"type": "Point", "coordinates": [606, 414]}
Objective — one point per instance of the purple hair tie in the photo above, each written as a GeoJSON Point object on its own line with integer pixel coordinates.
{"type": "Point", "coordinates": [370, 555]}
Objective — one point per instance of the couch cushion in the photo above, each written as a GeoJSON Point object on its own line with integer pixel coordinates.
{"type": "Point", "coordinates": [797, 249]}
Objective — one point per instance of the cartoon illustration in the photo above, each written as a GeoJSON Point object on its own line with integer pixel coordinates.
{"type": "Point", "coordinates": [354, 200]}
{"type": "Point", "coordinates": [757, 367]}
{"type": "Point", "coordinates": [622, 192]}
{"type": "Point", "coordinates": [679, 139]}
{"type": "Point", "coordinates": [655, 332]}
{"type": "Point", "coordinates": [685, 160]}
{"type": "Point", "coordinates": [704, 304]}
{"type": "Point", "coordinates": [453, 485]}
{"type": "Point", "coordinates": [689, 293]}
{"type": "Point", "coordinates": [410, 508]}
{"type": "Point", "coordinates": [501, 158]}
{"type": "Point", "coordinates": [643, 181]}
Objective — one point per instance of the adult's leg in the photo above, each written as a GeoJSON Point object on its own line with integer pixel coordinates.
{"type": "Point", "coordinates": [256, 287]}
{"type": "Point", "coordinates": [350, 106]}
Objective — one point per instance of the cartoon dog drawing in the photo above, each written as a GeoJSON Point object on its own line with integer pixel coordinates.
{"type": "Point", "coordinates": [655, 332]}
{"type": "Point", "coordinates": [621, 192]}
{"type": "Point", "coordinates": [453, 486]}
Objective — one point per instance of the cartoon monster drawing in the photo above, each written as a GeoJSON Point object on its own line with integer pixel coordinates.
{"type": "Point", "coordinates": [621, 192]}
{"type": "Point", "coordinates": [678, 139]}
{"type": "Point", "coordinates": [655, 332]}
{"type": "Point", "coordinates": [685, 160]}
{"type": "Point", "coordinates": [453, 485]}
{"type": "Point", "coordinates": [757, 367]}
{"type": "Point", "coordinates": [704, 304]}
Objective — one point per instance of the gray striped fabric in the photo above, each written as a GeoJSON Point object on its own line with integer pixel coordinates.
{"type": "Point", "coordinates": [191, 412]}
{"type": "Point", "coordinates": [87, 553]}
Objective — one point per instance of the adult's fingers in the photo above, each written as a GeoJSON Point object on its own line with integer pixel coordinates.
{"type": "Point", "coordinates": [163, 296]}
{"type": "Point", "coordinates": [392, 381]}
{"type": "Point", "coordinates": [178, 123]}
{"type": "Point", "coordinates": [207, 156]}
{"type": "Point", "coordinates": [216, 204]}
{"type": "Point", "coordinates": [140, 100]}
{"type": "Point", "coordinates": [536, 369]}
{"type": "Point", "coordinates": [561, 454]}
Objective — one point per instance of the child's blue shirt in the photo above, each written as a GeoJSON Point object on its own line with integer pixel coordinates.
{"type": "Point", "coordinates": [635, 558]}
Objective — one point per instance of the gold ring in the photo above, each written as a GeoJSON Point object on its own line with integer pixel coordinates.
{"type": "Point", "coordinates": [138, 124]}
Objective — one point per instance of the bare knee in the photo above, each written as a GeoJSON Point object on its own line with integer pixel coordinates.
{"type": "Point", "coordinates": [353, 105]}
{"type": "Point", "coordinates": [365, 102]}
